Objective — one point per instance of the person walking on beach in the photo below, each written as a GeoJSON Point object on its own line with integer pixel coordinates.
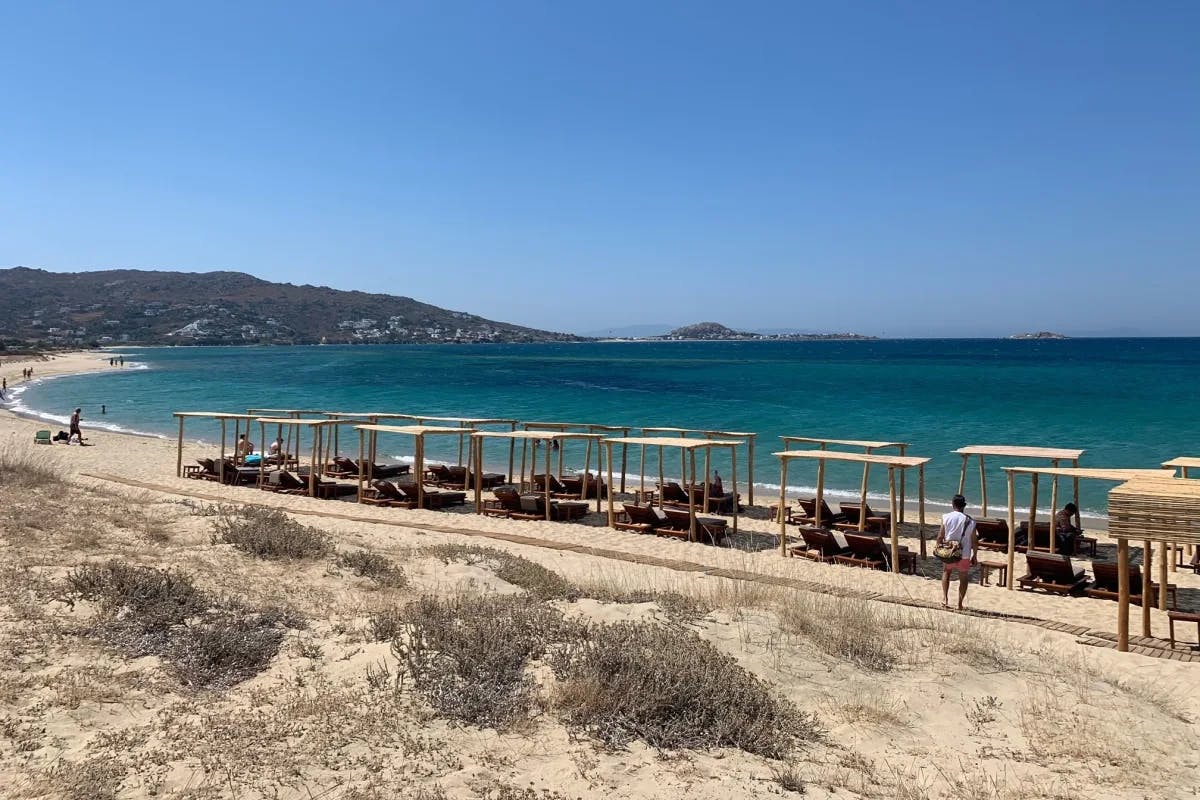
{"type": "Point", "coordinates": [75, 431]}
{"type": "Point", "coordinates": [957, 526]}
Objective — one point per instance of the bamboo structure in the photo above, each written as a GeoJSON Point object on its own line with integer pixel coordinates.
{"type": "Point", "coordinates": [368, 435]}
{"type": "Point", "coordinates": [744, 438]}
{"type": "Point", "coordinates": [1076, 474]}
{"type": "Point", "coordinates": [892, 462]}
{"type": "Point", "coordinates": [586, 427]}
{"type": "Point", "coordinates": [1150, 509]}
{"type": "Point", "coordinates": [223, 418]}
{"type": "Point", "coordinates": [687, 450]}
{"type": "Point", "coordinates": [868, 447]}
{"type": "Point", "coordinates": [1055, 455]}
{"type": "Point", "coordinates": [545, 440]}
{"type": "Point", "coordinates": [319, 441]}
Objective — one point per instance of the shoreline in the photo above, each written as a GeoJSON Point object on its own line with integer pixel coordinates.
{"type": "Point", "coordinates": [84, 362]}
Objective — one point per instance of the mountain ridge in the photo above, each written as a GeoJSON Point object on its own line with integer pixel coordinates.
{"type": "Point", "coordinates": [226, 307]}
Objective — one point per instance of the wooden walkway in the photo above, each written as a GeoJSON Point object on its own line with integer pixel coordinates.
{"type": "Point", "coordinates": [1146, 646]}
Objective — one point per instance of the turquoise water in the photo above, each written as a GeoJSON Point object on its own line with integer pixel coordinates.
{"type": "Point", "coordinates": [1128, 402]}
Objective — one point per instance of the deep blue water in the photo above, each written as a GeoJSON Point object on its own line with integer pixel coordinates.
{"type": "Point", "coordinates": [1128, 402]}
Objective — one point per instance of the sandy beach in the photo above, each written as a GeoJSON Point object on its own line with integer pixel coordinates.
{"type": "Point", "coordinates": [912, 701]}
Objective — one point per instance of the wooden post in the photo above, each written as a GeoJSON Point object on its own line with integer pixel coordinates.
{"type": "Point", "coordinates": [783, 469]}
{"type": "Point", "coordinates": [179, 452]}
{"type": "Point", "coordinates": [903, 487]}
{"type": "Point", "coordinates": [662, 476]}
{"type": "Point", "coordinates": [962, 476]}
{"type": "Point", "coordinates": [1075, 498]}
{"type": "Point", "coordinates": [362, 461]}
{"type": "Point", "coordinates": [894, 519]}
{"type": "Point", "coordinates": [512, 451]}
{"type": "Point", "coordinates": [587, 470]}
{"type": "Point", "coordinates": [546, 483]}
{"type": "Point", "coordinates": [1012, 529]}
{"type": "Point", "coordinates": [1162, 576]}
{"type": "Point", "coordinates": [221, 463]}
{"type": "Point", "coordinates": [1122, 595]}
{"type": "Point", "coordinates": [624, 462]}
{"type": "Point", "coordinates": [562, 446]}
{"type": "Point", "coordinates": [862, 500]}
{"type": "Point", "coordinates": [314, 453]}
{"type": "Point", "coordinates": [921, 506]}
{"type": "Point", "coordinates": [419, 467]}
{"type": "Point", "coordinates": [983, 504]}
{"type": "Point", "coordinates": [691, 497]}
{"type": "Point", "coordinates": [642, 470]}
{"type": "Point", "coordinates": [477, 452]}
{"type": "Point", "coordinates": [602, 467]}
{"type": "Point", "coordinates": [749, 472]}
{"type": "Point", "coordinates": [1033, 513]}
{"type": "Point", "coordinates": [1053, 511]}
{"type": "Point", "coordinates": [524, 450]}
{"type": "Point", "coordinates": [612, 517]}
{"type": "Point", "coordinates": [733, 469]}
{"type": "Point", "coordinates": [707, 473]}
{"type": "Point", "coordinates": [819, 503]}
{"type": "Point", "coordinates": [262, 454]}
{"type": "Point", "coordinates": [1147, 559]}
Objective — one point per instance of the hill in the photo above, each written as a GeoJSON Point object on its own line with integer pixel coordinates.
{"type": "Point", "coordinates": [715, 331]}
{"type": "Point", "coordinates": [149, 307]}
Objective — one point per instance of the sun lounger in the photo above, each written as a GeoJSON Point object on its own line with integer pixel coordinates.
{"type": "Point", "coordinates": [557, 489]}
{"type": "Point", "coordinates": [434, 500]}
{"type": "Point", "coordinates": [673, 494]}
{"type": "Point", "coordinates": [42, 437]}
{"type": "Point", "coordinates": [560, 510]}
{"type": "Point", "coordinates": [488, 480]}
{"type": "Point", "coordinates": [709, 530]}
{"type": "Point", "coordinates": [820, 545]}
{"type": "Point", "coordinates": [506, 503]}
{"type": "Point", "coordinates": [1107, 575]}
{"type": "Point", "coordinates": [640, 519]}
{"type": "Point", "coordinates": [1053, 573]}
{"type": "Point", "coordinates": [993, 535]}
{"type": "Point", "coordinates": [574, 484]}
{"type": "Point", "coordinates": [284, 482]}
{"type": "Point", "coordinates": [878, 522]}
{"type": "Point", "coordinates": [385, 493]}
{"type": "Point", "coordinates": [717, 503]}
{"type": "Point", "coordinates": [873, 552]}
{"type": "Point", "coordinates": [827, 516]}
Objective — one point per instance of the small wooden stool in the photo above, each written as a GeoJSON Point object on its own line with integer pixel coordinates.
{"type": "Point", "coordinates": [987, 567]}
{"type": "Point", "coordinates": [1182, 616]}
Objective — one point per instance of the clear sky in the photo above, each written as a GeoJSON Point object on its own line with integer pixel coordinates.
{"type": "Point", "coordinates": [906, 168]}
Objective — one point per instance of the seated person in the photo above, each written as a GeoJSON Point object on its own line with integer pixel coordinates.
{"type": "Point", "coordinates": [244, 446]}
{"type": "Point", "coordinates": [1065, 529]}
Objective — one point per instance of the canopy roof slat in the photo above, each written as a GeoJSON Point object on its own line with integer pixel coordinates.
{"type": "Point", "coordinates": [545, 436]}
{"type": "Point", "coordinates": [1096, 473]}
{"type": "Point", "coordinates": [666, 441]}
{"type": "Point", "coordinates": [214, 415]}
{"type": "Point", "coordinates": [1189, 462]}
{"type": "Point", "coordinates": [591, 425]}
{"type": "Point", "coordinates": [294, 421]}
{"type": "Point", "coordinates": [845, 443]}
{"type": "Point", "coordinates": [1019, 452]}
{"type": "Point", "coordinates": [697, 430]}
{"type": "Point", "coordinates": [858, 458]}
{"type": "Point", "coordinates": [412, 430]}
{"type": "Point", "coordinates": [1161, 510]}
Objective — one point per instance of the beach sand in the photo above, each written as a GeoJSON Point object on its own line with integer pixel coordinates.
{"type": "Point", "coordinates": [915, 701]}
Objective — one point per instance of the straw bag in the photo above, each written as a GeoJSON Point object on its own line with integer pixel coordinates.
{"type": "Point", "coordinates": [948, 552]}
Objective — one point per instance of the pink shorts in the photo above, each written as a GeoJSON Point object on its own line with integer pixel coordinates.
{"type": "Point", "coordinates": [962, 565]}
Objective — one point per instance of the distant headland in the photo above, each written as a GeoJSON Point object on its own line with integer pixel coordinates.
{"type": "Point", "coordinates": [716, 332]}
{"type": "Point", "coordinates": [1039, 335]}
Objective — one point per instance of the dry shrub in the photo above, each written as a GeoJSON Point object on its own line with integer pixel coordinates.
{"type": "Point", "coordinates": [209, 643]}
{"type": "Point", "coordinates": [539, 582]}
{"type": "Point", "coordinates": [843, 627]}
{"type": "Point", "coordinates": [378, 568]}
{"type": "Point", "coordinates": [467, 656]}
{"type": "Point", "coordinates": [28, 470]}
{"type": "Point", "coordinates": [387, 624]}
{"type": "Point", "coordinates": [678, 607]}
{"type": "Point", "coordinates": [667, 686]}
{"type": "Point", "coordinates": [269, 533]}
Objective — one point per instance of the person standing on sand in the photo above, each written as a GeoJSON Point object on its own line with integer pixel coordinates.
{"type": "Point", "coordinates": [75, 431]}
{"type": "Point", "coordinates": [957, 526]}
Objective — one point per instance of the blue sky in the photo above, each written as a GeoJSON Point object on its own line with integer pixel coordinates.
{"type": "Point", "coordinates": [930, 168]}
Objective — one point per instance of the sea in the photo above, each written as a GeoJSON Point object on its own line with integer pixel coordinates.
{"type": "Point", "coordinates": [1126, 402]}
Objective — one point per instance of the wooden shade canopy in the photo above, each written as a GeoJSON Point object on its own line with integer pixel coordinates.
{"type": "Point", "coordinates": [585, 427]}
{"type": "Point", "coordinates": [1076, 474]}
{"type": "Point", "coordinates": [223, 418]}
{"type": "Point", "coordinates": [867, 447]}
{"type": "Point", "coordinates": [466, 426]}
{"type": "Point", "coordinates": [1183, 464]}
{"type": "Point", "coordinates": [1151, 509]}
{"type": "Point", "coordinates": [1055, 455]}
{"type": "Point", "coordinates": [544, 438]}
{"type": "Point", "coordinates": [742, 437]}
{"type": "Point", "coordinates": [892, 462]}
{"type": "Point", "coordinates": [367, 444]}
{"type": "Point", "coordinates": [318, 430]}
{"type": "Point", "coordinates": [687, 448]}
